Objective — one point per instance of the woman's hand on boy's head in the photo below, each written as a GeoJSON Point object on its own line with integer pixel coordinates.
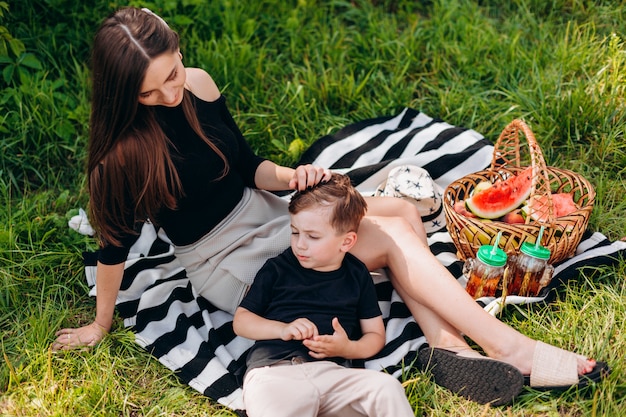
{"type": "Point", "coordinates": [299, 329]}
{"type": "Point", "coordinates": [306, 176]}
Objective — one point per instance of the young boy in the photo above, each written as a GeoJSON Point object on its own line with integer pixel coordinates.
{"type": "Point", "coordinates": [312, 310]}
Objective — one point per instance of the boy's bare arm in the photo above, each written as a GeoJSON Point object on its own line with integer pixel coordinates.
{"type": "Point", "coordinates": [338, 344]}
{"type": "Point", "coordinates": [373, 339]}
{"type": "Point", "coordinates": [252, 326]}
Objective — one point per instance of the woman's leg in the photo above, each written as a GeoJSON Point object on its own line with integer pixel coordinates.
{"type": "Point", "coordinates": [397, 207]}
{"type": "Point", "coordinates": [417, 275]}
{"type": "Point", "coordinates": [438, 332]}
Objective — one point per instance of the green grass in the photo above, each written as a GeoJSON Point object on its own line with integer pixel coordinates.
{"type": "Point", "coordinates": [295, 71]}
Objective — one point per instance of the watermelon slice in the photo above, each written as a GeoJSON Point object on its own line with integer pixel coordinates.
{"type": "Point", "coordinates": [481, 186]}
{"type": "Point", "coordinates": [502, 197]}
{"type": "Point", "coordinates": [563, 204]}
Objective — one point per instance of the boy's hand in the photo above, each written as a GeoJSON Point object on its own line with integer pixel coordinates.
{"type": "Point", "coordinates": [328, 346]}
{"type": "Point", "coordinates": [299, 329]}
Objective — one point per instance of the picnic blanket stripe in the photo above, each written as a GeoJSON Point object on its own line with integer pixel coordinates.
{"type": "Point", "coordinates": [390, 143]}
{"type": "Point", "coordinates": [129, 305]}
{"type": "Point", "coordinates": [604, 252]}
{"type": "Point", "coordinates": [195, 340]}
{"type": "Point", "coordinates": [354, 135]}
{"type": "Point", "coordinates": [378, 148]}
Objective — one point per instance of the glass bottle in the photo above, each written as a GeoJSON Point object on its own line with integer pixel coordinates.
{"type": "Point", "coordinates": [529, 271]}
{"type": "Point", "coordinates": [485, 271]}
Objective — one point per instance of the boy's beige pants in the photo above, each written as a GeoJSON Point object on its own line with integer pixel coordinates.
{"type": "Point", "coordinates": [322, 388]}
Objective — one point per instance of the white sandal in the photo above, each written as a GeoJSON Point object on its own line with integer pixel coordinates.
{"type": "Point", "coordinates": [557, 369]}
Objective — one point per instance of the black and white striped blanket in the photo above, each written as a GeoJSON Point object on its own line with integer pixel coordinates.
{"type": "Point", "coordinates": [189, 336]}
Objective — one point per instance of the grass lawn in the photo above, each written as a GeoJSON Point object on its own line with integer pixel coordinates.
{"type": "Point", "coordinates": [295, 71]}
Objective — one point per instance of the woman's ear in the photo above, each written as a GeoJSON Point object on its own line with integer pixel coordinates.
{"type": "Point", "coordinates": [349, 240]}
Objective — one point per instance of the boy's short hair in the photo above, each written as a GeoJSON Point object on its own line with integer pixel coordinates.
{"type": "Point", "coordinates": [349, 204]}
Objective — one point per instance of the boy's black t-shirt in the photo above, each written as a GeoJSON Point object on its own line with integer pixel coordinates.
{"type": "Point", "coordinates": [283, 290]}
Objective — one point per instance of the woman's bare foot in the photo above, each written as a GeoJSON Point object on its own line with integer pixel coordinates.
{"type": "Point", "coordinates": [522, 358]}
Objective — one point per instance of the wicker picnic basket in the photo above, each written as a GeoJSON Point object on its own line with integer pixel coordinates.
{"type": "Point", "coordinates": [561, 234]}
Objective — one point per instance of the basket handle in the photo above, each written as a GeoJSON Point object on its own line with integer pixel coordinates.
{"type": "Point", "coordinates": [506, 153]}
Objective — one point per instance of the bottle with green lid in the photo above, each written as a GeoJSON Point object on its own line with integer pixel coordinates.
{"type": "Point", "coordinates": [529, 271]}
{"type": "Point", "coordinates": [485, 272]}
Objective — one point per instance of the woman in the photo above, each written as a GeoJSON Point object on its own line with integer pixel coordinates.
{"type": "Point", "coordinates": [164, 147]}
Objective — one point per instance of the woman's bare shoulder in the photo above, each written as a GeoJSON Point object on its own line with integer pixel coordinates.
{"type": "Point", "coordinates": [200, 83]}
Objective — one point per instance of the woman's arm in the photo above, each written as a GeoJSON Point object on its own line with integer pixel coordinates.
{"type": "Point", "coordinates": [108, 281]}
{"type": "Point", "coordinates": [268, 176]}
{"type": "Point", "coordinates": [273, 177]}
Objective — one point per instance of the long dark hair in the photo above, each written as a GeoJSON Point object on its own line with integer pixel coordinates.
{"type": "Point", "coordinates": [130, 170]}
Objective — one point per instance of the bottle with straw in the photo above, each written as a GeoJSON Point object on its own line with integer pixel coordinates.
{"type": "Point", "coordinates": [485, 272]}
{"type": "Point", "coordinates": [529, 271]}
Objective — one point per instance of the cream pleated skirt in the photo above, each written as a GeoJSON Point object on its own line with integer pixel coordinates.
{"type": "Point", "coordinates": [223, 263]}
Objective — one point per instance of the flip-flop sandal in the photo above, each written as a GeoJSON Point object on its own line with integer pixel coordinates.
{"type": "Point", "coordinates": [555, 369]}
{"type": "Point", "coordinates": [482, 380]}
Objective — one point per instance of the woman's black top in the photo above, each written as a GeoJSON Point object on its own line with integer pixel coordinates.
{"type": "Point", "coordinates": [206, 201]}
